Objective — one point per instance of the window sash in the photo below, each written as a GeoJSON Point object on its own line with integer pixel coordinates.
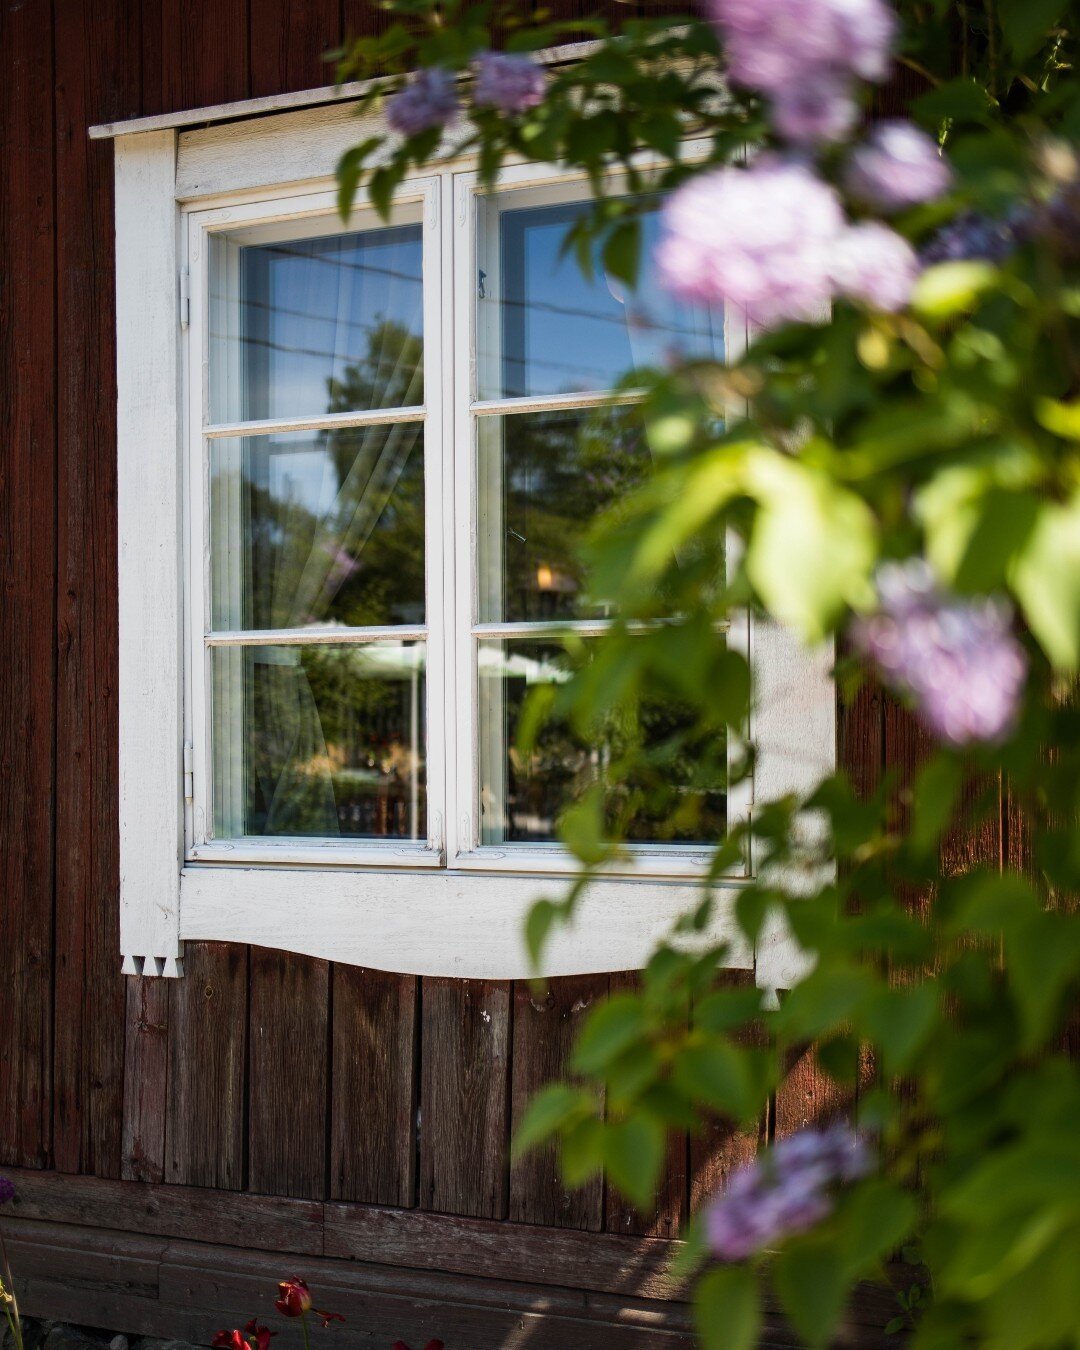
{"type": "Point", "coordinates": [525, 185]}
{"type": "Point", "coordinates": [450, 416]}
{"type": "Point", "coordinates": [269, 216]}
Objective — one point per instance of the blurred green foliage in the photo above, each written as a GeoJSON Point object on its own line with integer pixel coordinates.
{"type": "Point", "coordinates": [950, 430]}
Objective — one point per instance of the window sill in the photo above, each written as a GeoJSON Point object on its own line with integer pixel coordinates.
{"type": "Point", "coordinates": [301, 852]}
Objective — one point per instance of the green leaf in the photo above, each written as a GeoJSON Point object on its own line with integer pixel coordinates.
{"type": "Point", "coordinates": [1026, 24]}
{"type": "Point", "coordinates": [937, 788]}
{"type": "Point", "coordinates": [349, 168]}
{"type": "Point", "coordinates": [622, 252]}
{"type": "Point", "coordinates": [633, 1155]}
{"type": "Point", "coordinates": [723, 1077]}
{"type": "Point", "coordinates": [813, 546]}
{"type": "Point", "coordinates": [612, 1028]}
{"type": "Point", "coordinates": [1043, 959]}
{"type": "Point", "coordinates": [1046, 582]}
{"type": "Point", "coordinates": [538, 924]}
{"type": "Point", "coordinates": [581, 827]}
{"type": "Point", "coordinates": [952, 288]}
{"type": "Point", "coordinates": [825, 1000]}
{"type": "Point", "coordinates": [812, 1286]}
{"type": "Point", "coordinates": [962, 100]}
{"type": "Point", "coordinates": [899, 1022]}
{"type": "Point", "coordinates": [553, 1107]}
{"type": "Point", "coordinates": [581, 1151]}
{"type": "Point", "coordinates": [727, 1309]}
{"type": "Point", "coordinates": [874, 1220]}
{"type": "Point", "coordinates": [1062, 419]}
{"type": "Point", "coordinates": [383, 183]}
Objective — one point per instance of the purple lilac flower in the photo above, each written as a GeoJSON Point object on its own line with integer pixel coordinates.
{"type": "Point", "coordinates": [872, 264]}
{"type": "Point", "coordinates": [7, 1190]}
{"type": "Point", "coordinates": [896, 167]}
{"type": "Point", "coordinates": [785, 1191]}
{"type": "Point", "coordinates": [971, 236]}
{"type": "Point", "coordinates": [430, 100]}
{"type": "Point", "coordinates": [816, 110]}
{"type": "Point", "coordinates": [511, 83]}
{"type": "Point", "coordinates": [957, 659]}
{"type": "Point", "coordinates": [806, 55]}
{"type": "Point", "coordinates": [760, 238]}
{"type": "Point", "coordinates": [771, 45]}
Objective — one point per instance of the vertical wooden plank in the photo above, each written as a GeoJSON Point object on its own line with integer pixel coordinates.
{"type": "Point", "coordinates": [206, 1104]}
{"type": "Point", "coordinates": [722, 1147]}
{"type": "Point", "coordinates": [465, 1043]}
{"type": "Point", "coordinates": [373, 1087]}
{"type": "Point", "coordinates": [27, 580]}
{"type": "Point", "coordinates": [289, 40]}
{"type": "Point", "coordinates": [668, 1213]}
{"type": "Point", "coordinates": [808, 1096]}
{"type": "Point", "coordinates": [287, 1074]}
{"type": "Point", "coordinates": [193, 54]}
{"type": "Point", "coordinates": [546, 1024]}
{"type": "Point", "coordinates": [97, 79]}
{"type": "Point", "coordinates": [146, 1070]}
{"type": "Point", "coordinates": [363, 18]}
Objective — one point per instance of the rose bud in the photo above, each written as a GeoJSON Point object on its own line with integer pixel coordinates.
{"type": "Point", "coordinates": [293, 1298]}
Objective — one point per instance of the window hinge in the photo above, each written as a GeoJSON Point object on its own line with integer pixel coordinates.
{"type": "Point", "coordinates": [185, 296]}
{"type": "Point", "coordinates": [188, 777]}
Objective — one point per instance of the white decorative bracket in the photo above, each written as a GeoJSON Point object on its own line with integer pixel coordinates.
{"type": "Point", "coordinates": [171, 967]}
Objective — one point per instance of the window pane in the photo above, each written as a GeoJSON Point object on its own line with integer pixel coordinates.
{"type": "Point", "coordinates": [676, 793]}
{"type": "Point", "coordinates": [318, 528]}
{"type": "Point", "coordinates": [300, 327]}
{"type": "Point", "coordinates": [542, 479]}
{"type": "Point", "coordinates": [320, 740]}
{"type": "Point", "coordinates": [543, 327]}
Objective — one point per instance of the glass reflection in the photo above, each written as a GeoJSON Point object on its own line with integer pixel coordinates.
{"type": "Point", "coordinates": [544, 327]}
{"type": "Point", "coordinates": [543, 479]}
{"type": "Point", "coordinates": [304, 326]}
{"type": "Point", "coordinates": [315, 528]}
{"type": "Point", "coordinates": [675, 791]}
{"type": "Point", "coordinates": [323, 740]}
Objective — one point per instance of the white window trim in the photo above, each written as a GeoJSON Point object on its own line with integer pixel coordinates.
{"type": "Point", "coordinates": [401, 910]}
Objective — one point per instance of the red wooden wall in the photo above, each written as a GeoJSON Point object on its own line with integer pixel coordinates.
{"type": "Point", "coordinates": [259, 1071]}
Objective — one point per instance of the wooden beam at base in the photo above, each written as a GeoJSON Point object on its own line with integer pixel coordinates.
{"type": "Point", "coordinates": [188, 1290]}
{"type": "Point", "coordinates": [180, 1262]}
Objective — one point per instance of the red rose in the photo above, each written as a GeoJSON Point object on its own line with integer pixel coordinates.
{"type": "Point", "coordinates": [229, 1340]}
{"type": "Point", "coordinates": [293, 1298]}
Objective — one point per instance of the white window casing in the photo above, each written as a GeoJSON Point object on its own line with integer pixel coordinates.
{"type": "Point", "coordinates": [445, 905]}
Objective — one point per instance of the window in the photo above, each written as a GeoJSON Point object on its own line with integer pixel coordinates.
{"type": "Point", "coordinates": [359, 498]}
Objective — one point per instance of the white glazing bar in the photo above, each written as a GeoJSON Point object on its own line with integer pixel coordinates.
{"type": "Point", "coordinates": [315, 636]}
{"type": "Point", "coordinates": [319, 422]}
{"type": "Point", "coordinates": [590, 398]}
{"type": "Point", "coordinates": [581, 627]}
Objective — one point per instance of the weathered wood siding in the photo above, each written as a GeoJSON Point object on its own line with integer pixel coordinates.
{"type": "Point", "coordinates": [259, 1072]}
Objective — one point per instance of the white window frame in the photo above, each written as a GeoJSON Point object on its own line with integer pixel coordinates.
{"type": "Point", "coordinates": [446, 906]}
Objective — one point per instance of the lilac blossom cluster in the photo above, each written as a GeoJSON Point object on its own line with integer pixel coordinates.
{"type": "Point", "coordinates": [806, 56]}
{"type": "Point", "coordinates": [7, 1190]}
{"type": "Point", "coordinates": [897, 166]}
{"type": "Point", "coordinates": [509, 82]}
{"type": "Point", "coordinates": [973, 236]}
{"type": "Point", "coordinates": [786, 1191]}
{"type": "Point", "coordinates": [773, 239]}
{"type": "Point", "coordinates": [429, 100]}
{"type": "Point", "coordinates": [957, 659]}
